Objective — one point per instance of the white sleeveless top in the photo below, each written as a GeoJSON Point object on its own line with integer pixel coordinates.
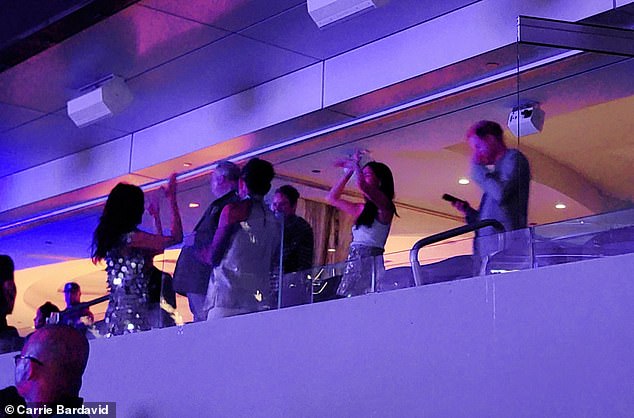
{"type": "Point", "coordinates": [374, 235]}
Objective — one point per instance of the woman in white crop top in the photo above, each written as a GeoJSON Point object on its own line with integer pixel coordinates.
{"type": "Point", "coordinates": [373, 219]}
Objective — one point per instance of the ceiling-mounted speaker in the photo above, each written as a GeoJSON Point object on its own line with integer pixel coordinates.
{"type": "Point", "coordinates": [526, 120]}
{"type": "Point", "coordinates": [99, 100]}
{"type": "Point", "coordinates": [326, 12]}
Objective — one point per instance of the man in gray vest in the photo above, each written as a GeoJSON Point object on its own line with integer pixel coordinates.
{"type": "Point", "coordinates": [191, 275]}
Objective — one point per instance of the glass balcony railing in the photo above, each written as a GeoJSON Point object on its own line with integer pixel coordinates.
{"type": "Point", "coordinates": [573, 240]}
{"type": "Point", "coordinates": [560, 242]}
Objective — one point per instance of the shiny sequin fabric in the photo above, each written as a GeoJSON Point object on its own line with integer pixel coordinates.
{"type": "Point", "coordinates": [128, 309]}
{"type": "Point", "coordinates": [242, 280]}
{"type": "Point", "coordinates": [362, 263]}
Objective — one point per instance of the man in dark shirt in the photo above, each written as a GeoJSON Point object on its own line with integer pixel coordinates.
{"type": "Point", "coordinates": [298, 234]}
{"type": "Point", "coordinates": [191, 275]}
{"type": "Point", "coordinates": [9, 338]}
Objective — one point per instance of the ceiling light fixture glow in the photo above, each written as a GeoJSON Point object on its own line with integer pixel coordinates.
{"type": "Point", "coordinates": [194, 205]}
{"type": "Point", "coordinates": [463, 181]}
{"type": "Point", "coordinates": [560, 206]}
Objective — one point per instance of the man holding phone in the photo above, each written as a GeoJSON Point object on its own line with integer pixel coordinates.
{"type": "Point", "coordinates": [504, 176]}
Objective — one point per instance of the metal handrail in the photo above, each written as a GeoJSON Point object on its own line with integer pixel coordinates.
{"type": "Point", "coordinates": [441, 236]}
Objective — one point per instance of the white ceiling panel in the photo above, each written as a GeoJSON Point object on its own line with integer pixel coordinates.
{"type": "Point", "coordinates": [13, 116]}
{"type": "Point", "coordinates": [46, 139]}
{"type": "Point", "coordinates": [206, 75]}
{"type": "Point", "coordinates": [125, 44]}
{"type": "Point", "coordinates": [268, 104]}
{"type": "Point", "coordinates": [52, 242]}
{"type": "Point", "coordinates": [296, 31]}
{"type": "Point", "coordinates": [83, 169]}
{"type": "Point", "coordinates": [232, 15]}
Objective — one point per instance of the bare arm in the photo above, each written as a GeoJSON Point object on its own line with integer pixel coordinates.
{"type": "Point", "coordinates": [158, 243]}
{"type": "Point", "coordinates": [154, 210]}
{"type": "Point", "coordinates": [177, 226]}
{"type": "Point", "coordinates": [231, 215]}
{"type": "Point", "coordinates": [334, 197]}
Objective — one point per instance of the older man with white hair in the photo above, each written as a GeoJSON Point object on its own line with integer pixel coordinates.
{"type": "Point", "coordinates": [191, 275]}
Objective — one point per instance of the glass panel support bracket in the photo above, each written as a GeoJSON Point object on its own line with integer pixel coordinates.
{"type": "Point", "coordinates": [576, 36]}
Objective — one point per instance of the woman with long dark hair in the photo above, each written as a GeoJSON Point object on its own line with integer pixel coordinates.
{"type": "Point", "coordinates": [373, 219]}
{"type": "Point", "coordinates": [128, 254]}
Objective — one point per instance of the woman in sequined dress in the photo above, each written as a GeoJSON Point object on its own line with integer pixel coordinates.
{"type": "Point", "coordinates": [128, 254]}
{"type": "Point", "coordinates": [373, 219]}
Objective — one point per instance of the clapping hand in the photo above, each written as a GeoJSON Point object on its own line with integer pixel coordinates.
{"type": "Point", "coordinates": [346, 163]}
{"type": "Point", "coordinates": [353, 161]}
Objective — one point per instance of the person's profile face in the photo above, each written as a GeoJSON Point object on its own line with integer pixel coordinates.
{"type": "Point", "coordinates": [481, 149]}
{"type": "Point", "coordinates": [243, 190]}
{"type": "Point", "coordinates": [370, 178]}
{"type": "Point", "coordinates": [8, 293]}
{"type": "Point", "coordinates": [217, 179]}
{"type": "Point", "coordinates": [72, 297]}
{"type": "Point", "coordinates": [21, 374]}
{"type": "Point", "coordinates": [22, 367]}
{"type": "Point", "coordinates": [281, 204]}
{"type": "Point", "coordinates": [39, 321]}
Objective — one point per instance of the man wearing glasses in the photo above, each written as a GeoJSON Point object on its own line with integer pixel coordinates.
{"type": "Point", "coordinates": [48, 372]}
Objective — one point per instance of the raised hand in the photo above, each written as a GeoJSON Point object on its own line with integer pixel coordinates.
{"type": "Point", "coordinates": [347, 163]}
{"type": "Point", "coordinates": [358, 155]}
{"type": "Point", "coordinates": [170, 190]}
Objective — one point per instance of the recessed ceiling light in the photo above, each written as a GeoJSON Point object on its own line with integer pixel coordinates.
{"type": "Point", "coordinates": [332, 250]}
{"type": "Point", "coordinates": [463, 181]}
{"type": "Point", "coordinates": [560, 206]}
{"type": "Point", "coordinates": [187, 164]}
{"type": "Point", "coordinates": [193, 204]}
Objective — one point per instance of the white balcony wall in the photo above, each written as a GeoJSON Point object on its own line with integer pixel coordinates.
{"type": "Point", "coordinates": [550, 342]}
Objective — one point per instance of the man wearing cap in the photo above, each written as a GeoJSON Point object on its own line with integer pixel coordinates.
{"type": "Point", "coordinates": [76, 318]}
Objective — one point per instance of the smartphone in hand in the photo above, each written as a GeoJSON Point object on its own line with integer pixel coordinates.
{"type": "Point", "coordinates": [451, 199]}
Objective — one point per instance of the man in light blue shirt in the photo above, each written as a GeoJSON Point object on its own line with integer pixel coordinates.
{"type": "Point", "coordinates": [504, 176]}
